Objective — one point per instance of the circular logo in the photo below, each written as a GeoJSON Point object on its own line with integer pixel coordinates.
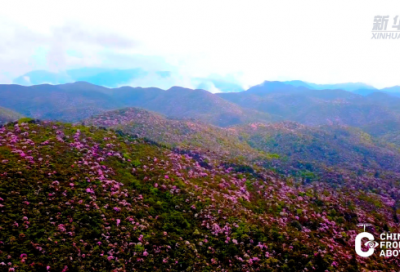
{"type": "Point", "coordinates": [371, 244]}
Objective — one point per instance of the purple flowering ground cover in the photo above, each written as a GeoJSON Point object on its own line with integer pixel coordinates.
{"type": "Point", "coordinates": [80, 198]}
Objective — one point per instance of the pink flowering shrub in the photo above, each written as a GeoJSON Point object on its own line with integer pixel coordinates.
{"type": "Point", "coordinates": [89, 199]}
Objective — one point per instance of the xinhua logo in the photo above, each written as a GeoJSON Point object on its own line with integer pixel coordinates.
{"type": "Point", "coordinates": [380, 28]}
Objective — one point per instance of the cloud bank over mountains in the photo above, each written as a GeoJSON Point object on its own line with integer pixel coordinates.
{"type": "Point", "coordinates": [252, 41]}
{"type": "Point", "coordinates": [130, 77]}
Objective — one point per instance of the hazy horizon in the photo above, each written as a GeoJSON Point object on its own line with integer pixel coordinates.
{"type": "Point", "coordinates": [244, 44]}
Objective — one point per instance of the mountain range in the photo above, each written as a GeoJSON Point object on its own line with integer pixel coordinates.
{"type": "Point", "coordinates": [274, 178]}
{"type": "Point", "coordinates": [315, 107]}
{"type": "Point", "coordinates": [77, 101]}
{"type": "Point", "coordinates": [114, 78]}
{"type": "Point", "coordinates": [270, 101]}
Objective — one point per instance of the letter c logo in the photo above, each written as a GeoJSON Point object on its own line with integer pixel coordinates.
{"type": "Point", "coordinates": [358, 244]}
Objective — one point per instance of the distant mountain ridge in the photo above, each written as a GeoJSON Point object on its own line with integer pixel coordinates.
{"type": "Point", "coordinates": [317, 107]}
{"type": "Point", "coordinates": [268, 102]}
{"type": "Point", "coordinates": [351, 86]}
{"type": "Point", "coordinates": [77, 101]}
{"type": "Point", "coordinates": [114, 78]}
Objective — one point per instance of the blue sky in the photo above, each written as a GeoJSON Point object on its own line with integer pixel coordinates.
{"type": "Point", "coordinates": [245, 41]}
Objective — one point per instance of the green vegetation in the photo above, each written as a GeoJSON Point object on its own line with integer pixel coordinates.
{"type": "Point", "coordinates": [81, 198]}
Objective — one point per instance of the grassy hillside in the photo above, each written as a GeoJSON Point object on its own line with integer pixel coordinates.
{"type": "Point", "coordinates": [341, 157]}
{"type": "Point", "coordinates": [388, 131]}
{"type": "Point", "coordinates": [335, 155]}
{"type": "Point", "coordinates": [341, 146]}
{"type": "Point", "coordinates": [85, 199]}
{"type": "Point", "coordinates": [181, 134]}
{"type": "Point", "coordinates": [7, 115]}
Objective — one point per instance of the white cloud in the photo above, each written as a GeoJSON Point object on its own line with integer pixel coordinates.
{"type": "Point", "coordinates": [152, 79]}
{"type": "Point", "coordinates": [27, 80]}
{"type": "Point", "coordinates": [317, 41]}
{"type": "Point", "coordinates": [209, 86]}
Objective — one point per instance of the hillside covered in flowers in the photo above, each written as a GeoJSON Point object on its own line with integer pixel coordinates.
{"type": "Point", "coordinates": [80, 198]}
